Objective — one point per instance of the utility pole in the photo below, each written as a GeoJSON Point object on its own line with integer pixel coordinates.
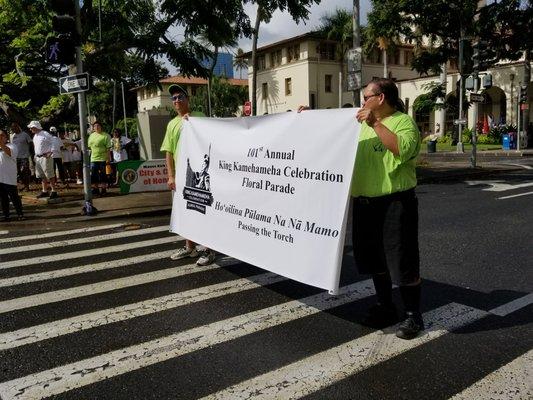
{"type": "Point", "coordinates": [82, 107]}
{"type": "Point", "coordinates": [460, 146]}
{"type": "Point", "coordinates": [473, 157]}
{"type": "Point", "coordinates": [357, 48]}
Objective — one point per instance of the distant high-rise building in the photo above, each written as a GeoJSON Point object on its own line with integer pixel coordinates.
{"type": "Point", "coordinates": [224, 65]}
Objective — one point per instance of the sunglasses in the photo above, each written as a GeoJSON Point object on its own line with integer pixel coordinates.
{"type": "Point", "coordinates": [178, 97]}
{"type": "Point", "coordinates": [365, 98]}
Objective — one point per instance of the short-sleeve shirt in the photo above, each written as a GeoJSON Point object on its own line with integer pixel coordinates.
{"type": "Point", "coordinates": [100, 144]}
{"type": "Point", "coordinates": [42, 141]}
{"type": "Point", "coordinates": [22, 140]}
{"type": "Point", "coordinates": [172, 136]}
{"type": "Point", "coordinates": [8, 166]}
{"type": "Point", "coordinates": [118, 146]}
{"type": "Point", "coordinates": [57, 143]}
{"type": "Point", "coordinates": [378, 171]}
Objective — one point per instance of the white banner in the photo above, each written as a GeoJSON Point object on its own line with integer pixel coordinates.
{"type": "Point", "coordinates": [271, 191]}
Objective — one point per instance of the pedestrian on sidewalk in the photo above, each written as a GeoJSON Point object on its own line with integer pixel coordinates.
{"type": "Point", "coordinates": [385, 206]}
{"type": "Point", "coordinates": [44, 164]}
{"type": "Point", "coordinates": [24, 145]}
{"type": "Point", "coordinates": [8, 177]}
{"type": "Point", "coordinates": [99, 143]}
{"type": "Point", "coordinates": [57, 149]}
{"type": "Point", "coordinates": [119, 145]}
{"type": "Point", "coordinates": [170, 146]}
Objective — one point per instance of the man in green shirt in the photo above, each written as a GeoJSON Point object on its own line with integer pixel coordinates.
{"type": "Point", "coordinates": [170, 145]}
{"type": "Point", "coordinates": [99, 143]}
{"type": "Point", "coordinates": [385, 213]}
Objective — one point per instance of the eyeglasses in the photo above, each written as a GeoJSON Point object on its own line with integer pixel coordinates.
{"type": "Point", "coordinates": [178, 97]}
{"type": "Point", "coordinates": [365, 98]}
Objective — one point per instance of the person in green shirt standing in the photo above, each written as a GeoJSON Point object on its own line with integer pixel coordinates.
{"type": "Point", "coordinates": [100, 144]}
{"type": "Point", "coordinates": [170, 146]}
{"type": "Point", "coordinates": [385, 206]}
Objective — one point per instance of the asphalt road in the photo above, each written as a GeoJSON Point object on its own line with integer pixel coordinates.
{"type": "Point", "coordinates": [105, 314]}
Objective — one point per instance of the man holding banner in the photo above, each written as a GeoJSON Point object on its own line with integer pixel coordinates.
{"type": "Point", "coordinates": [170, 146]}
{"type": "Point", "coordinates": [385, 213]}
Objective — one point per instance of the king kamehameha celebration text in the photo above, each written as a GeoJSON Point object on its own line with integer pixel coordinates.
{"type": "Point", "coordinates": [289, 171]}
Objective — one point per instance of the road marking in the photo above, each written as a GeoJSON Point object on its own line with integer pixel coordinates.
{"type": "Point", "coordinates": [513, 306]}
{"type": "Point", "coordinates": [85, 372]}
{"type": "Point", "coordinates": [60, 273]}
{"type": "Point", "coordinates": [499, 186]}
{"type": "Point", "coordinates": [80, 323]}
{"type": "Point", "coordinates": [60, 233]}
{"type": "Point", "coordinates": [100, 287]}
{"type": "Point", "coordinates": [510, 382]}
{"type": "Point", "coordinates": [312, 373]}
{"type": "Point", "coordinates": [91, 239]}
{"type": "Point", "coordinates": [4, 233]}
{"type": "Point", "coordinates": [515, 195]}
{"type": "Point", "coordinates": [525, 166]}
{"type": "Point", "coordinates": [86, 253]}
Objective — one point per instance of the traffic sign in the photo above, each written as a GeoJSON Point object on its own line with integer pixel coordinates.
{"type": "Point", "coordinates": [74, 83]}
{"type": "Point", "coordinates": [461, 121]}
{"type": "Point", "coordinates": [247, 108]}
{"type": "Point", "coordinates": [477, 98]}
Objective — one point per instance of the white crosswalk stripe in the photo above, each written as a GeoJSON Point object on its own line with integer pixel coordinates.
{"type": "Point", "coordinates": [41, 236]}
{"type": "Point", "coordinates": [513, 381]}
{"type": "Point", "coordinates": [84, 253]}
{"type": "Point", "coordinates": [82, 240]}
{"type": "Point", "coordinates": [293, 379]}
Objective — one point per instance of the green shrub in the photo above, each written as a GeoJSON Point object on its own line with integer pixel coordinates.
{"type": "Point", "coordinates": [486, 139]}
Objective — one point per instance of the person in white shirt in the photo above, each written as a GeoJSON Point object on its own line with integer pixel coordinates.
{"type": "Point", "coordinates": [119, 144]}
{"type": "Point", "coordinates": [57, 154]}
{"type": "Point", "coordinates": [66, 155]}
{"type": "Point", "coordinates": [22, 141]}
{"type": "Point", "coordinates": [44, 163]}
{"type": "Point", "coordinates": [8, 177]}
{"type": "Point", "coordinates": [76, 158]}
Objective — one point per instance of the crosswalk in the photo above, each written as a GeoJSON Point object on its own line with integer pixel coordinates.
{"type": "Point", "coordinates": [104, 313]}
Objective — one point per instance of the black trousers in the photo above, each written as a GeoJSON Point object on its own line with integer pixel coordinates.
{"type": "Point", "coordinates": [8, 192]}
{"type": "Point", "coordinates": [58, 162]}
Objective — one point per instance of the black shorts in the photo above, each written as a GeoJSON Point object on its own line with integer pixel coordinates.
{"type": "Point", "coordinates": [385, 236]}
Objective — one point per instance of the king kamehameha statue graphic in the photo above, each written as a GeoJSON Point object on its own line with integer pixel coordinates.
{"type": "Point", "coordinates": [197, 190]}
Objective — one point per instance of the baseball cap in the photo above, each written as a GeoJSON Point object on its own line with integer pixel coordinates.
{"type": "Point", "coordinates": [173, 89]}
{"type": "Point", "coordinates": [35, 124]}
{"type": "Point", "coordinates": [53, 129]}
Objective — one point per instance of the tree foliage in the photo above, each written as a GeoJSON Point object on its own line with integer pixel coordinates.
{"type": "Point", "coordinates": [225, 98]}
{"type": "Point", "coordinates": [435, 27]}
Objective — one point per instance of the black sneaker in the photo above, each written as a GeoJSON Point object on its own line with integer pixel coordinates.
{"type": "Point", "coordinates": [42, 195]}
{"type": "Point", "coordinates": [411, 326]}
{"type": "Point", "coordinates": [53, 195]}
{"type": "Point", "coordinates": [380, 316]}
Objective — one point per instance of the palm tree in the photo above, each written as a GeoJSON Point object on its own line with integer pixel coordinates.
{"type": "Point", "coordinates": [240, 62]}
{"type": "Point", "coordinates": [338, 26]}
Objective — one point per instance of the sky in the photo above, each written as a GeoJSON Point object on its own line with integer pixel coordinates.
{"type": "Point", "coordinates": [282, 26]}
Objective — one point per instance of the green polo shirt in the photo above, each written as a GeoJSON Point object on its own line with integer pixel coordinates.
{"type": "Point", "coordinates": [100, 144]}
{"type": "Point", "coordinates": [172, 136]}
{"type": "Point", "coordinates": [377, 170]}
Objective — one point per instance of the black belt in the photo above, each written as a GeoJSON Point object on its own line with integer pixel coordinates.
{"type": "Point", "coordinates": [405, 194]}
{"type": "Point", "coordinates": [42, 155]}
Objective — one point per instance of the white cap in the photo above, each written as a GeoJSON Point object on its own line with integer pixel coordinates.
{"type": "Point", "coordinates": [53, 129]}
{"type": "Point", "coordinates": [35, 124]}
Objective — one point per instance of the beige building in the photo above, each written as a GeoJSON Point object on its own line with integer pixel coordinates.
{"type": "Point", "coordinates": [304, 70]}
{"type": "Point", "coordinates": [150, 97]}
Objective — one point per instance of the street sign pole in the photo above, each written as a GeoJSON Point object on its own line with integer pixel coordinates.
{"type": "Point", "coordinates": [473, 157]}
{"type": "Point", "coordinates": [460, 147]}
{"type": "Point", "coordinates": [357, 47]}
{"type": "Point", "coordinates": [82, 106]}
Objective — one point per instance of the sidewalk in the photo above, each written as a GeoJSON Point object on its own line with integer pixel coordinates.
{"type": "Point", "coordinates": [446, 168]}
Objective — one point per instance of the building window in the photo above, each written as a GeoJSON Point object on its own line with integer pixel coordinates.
{"type": "Point", "coordinates": [293, 53]}
{"type": "Point", "coordinates": [327, 51]}
{"type": "Point", "coordinates": [264, 91]}
{"type": "Point", "coordinates": [408, 57]}
{"type": "Point", "coordinates": [394, 57]}
{"type": "Point", "coordinates": [288, 86]}
{"type": "Point", "coordinates": [275, 58]}
{"type": "Point", "coordinates": [261, 62]}
{"type": "Point", "coordinates": [327, 83]}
